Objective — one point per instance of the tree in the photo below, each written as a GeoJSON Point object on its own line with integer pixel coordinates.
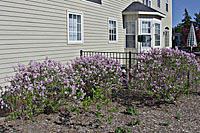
{"type": "Point", "coordinates": [185, 27]}
{"type": "Point", "coordinates": [198, 39]}
{"type": "Point", "coordinates": [197, 26]}
{"type": "Point", "coordinates": [177, 29]}
{"type": "Point", "coordinates": [184, 32]}
{"type": "Point", "coordinates": [186, 20]}
{"type": "Point", "coordinates": [197, 20]}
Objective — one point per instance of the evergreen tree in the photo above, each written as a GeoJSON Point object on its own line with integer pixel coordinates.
{"type": "Point", "coordinates": [186, 20]}
{"type": "Point", "coordinates": [184, 28]}
{"type": "Point", "coordinates": [186, 23]}
{"type": "Point", "coordinates": [197, 26]}
{"type": "Point", "coordinates": [197, 20]}
{"type": "Point", "coordinates": [177, 29]}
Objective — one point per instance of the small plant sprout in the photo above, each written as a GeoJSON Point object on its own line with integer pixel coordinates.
{"type": "Point", "coordinates": [131, 111]}
{"type": "Point", "coordinates": [178, 116]}
{"type": "Point", "coordinates": [136, 122]}
{"type": "Point", "coordinates": [167, 123]}
{"type": "Point", "coordinates": [122, 130]}
{"type": "Point", "coordinates": [110, 119]}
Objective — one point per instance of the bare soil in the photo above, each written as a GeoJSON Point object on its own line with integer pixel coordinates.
{"type": "Point", "coordinates": [160, 117]}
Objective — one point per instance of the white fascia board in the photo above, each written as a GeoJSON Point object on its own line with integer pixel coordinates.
{"type": "Point", "coordinates": [145, 13]}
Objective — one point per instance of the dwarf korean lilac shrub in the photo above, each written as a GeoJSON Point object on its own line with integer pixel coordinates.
{"type": "Point", "coordinates": [164, 73]}
{"type": "Point", "coordinates": [40, 87]}
{"type": "Point", "coordinates": [97, 76]}
{"type": "Point", "coordinates": [97, 73]}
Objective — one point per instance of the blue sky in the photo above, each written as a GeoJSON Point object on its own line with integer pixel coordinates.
{"type": "Point", "coordinates": [193, 6]}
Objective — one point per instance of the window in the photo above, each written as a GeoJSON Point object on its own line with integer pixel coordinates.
{"type": "Point", "coordinates": [75, 28]}
{"type": "Point", "coordinates": [157, 34]}
{"type": "Point", "coordinates": [167, 5]}
{"type": "Point", "coordinates": [146, 27]}
{"type": "Point", "coordinates": [146, 31]}
{"type": "Point", "coordinates": [158, 3]}
{"type": "Point", "coordinates": [130, 34]}
{"type": "Point", "coordinates": [113, 31]}
{"type": "Point", "coordinates": [167, 38]}
{"type": "Point", "coordinates": [95, 1]}
{"type": "Point", "coordinates": [147, 3]}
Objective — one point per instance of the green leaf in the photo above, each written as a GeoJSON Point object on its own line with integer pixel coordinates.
{"type": "Point", "coordinates": [110, 118]}
{"type": "Point", "coordinates": [99, 122]}
{"type": "Point", "coordinates": [98, 114]}
{"type": "Point", "coordinates": [99, 107]}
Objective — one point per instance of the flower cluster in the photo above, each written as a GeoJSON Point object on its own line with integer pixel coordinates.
{"type": "Point", "coordinates": [43, 87]}
{"type": "Point", "coordinates": [40, 87]}
{"type": "Point", "coordinates": [97, 72]}
{"type": "Point", "coordinates": [165, 73]}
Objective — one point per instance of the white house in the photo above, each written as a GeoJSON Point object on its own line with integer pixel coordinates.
{"type": "Point", "coordinates": [59, 29]}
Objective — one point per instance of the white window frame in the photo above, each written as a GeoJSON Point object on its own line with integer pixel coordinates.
{"type": "Point", "coordinates": [157, 22]}
{"type": "Point", "coordinates": [112, 41]}
{"type": "Point", "coordinates": [159, 2]}
{"type": "Point", "coordinates": [82, 33]}
{"type": "Point", "coordinates": [131, 34]}
{"type": "Point", "coordinates": [167, 40]}
{"type": "Point", "coordinates": [146, 20]}
{"type": "Point", "coordinates": [92, 2]}
{"type": "Point", "coordinates": [147, 4]}
{"type": "Point", "coordinates": [167, 6]}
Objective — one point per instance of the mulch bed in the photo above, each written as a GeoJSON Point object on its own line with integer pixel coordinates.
{"type": "Point", "coordinates": [155, 116]}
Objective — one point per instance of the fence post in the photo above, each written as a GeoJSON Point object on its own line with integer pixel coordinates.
{"type": "Point", "coordinates": [129, 78]}
{"type": "Point", "coordinates": [129, 59]}
{"type": "Point", "coordinates": [188, 79]}
{"type": "Point", "coordinates": [81, 53]}
{"type": "Point", "coordinates": [129, 73]}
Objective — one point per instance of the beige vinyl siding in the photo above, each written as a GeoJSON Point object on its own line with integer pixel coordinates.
{"type": "Point", "coordinates": [34, 29]}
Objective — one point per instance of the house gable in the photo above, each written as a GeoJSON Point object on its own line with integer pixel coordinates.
{"type": "Point", "coordinates": [139, 8]}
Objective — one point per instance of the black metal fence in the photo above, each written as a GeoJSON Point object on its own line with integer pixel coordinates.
{"type": "Point", "coordinates": [126, 59]}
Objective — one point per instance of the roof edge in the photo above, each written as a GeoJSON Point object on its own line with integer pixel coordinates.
{"type": "Point", "coordinates": [144, 13]}
{"type": "Point", "coordinates": [140, 8]}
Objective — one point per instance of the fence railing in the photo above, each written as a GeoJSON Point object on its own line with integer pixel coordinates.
{"type": "Point", "coordinates": [126, 59]}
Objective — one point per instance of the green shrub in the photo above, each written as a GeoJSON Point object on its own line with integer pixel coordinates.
{"type": "Point", "coordinates": [97, 74]}
{"type": "Point", "coordinates": [39, 87]}
{"type": "Point", "coordinates": [164, 73]}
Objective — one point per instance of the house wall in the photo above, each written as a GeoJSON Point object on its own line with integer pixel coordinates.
{"type": "Point", "coordinates": [167, 21]}
{"type": "Point", "coordinates": [34, 29]}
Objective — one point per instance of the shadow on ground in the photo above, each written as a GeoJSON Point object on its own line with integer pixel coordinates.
{"type": "Point", "coordinates": [137, 98]}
